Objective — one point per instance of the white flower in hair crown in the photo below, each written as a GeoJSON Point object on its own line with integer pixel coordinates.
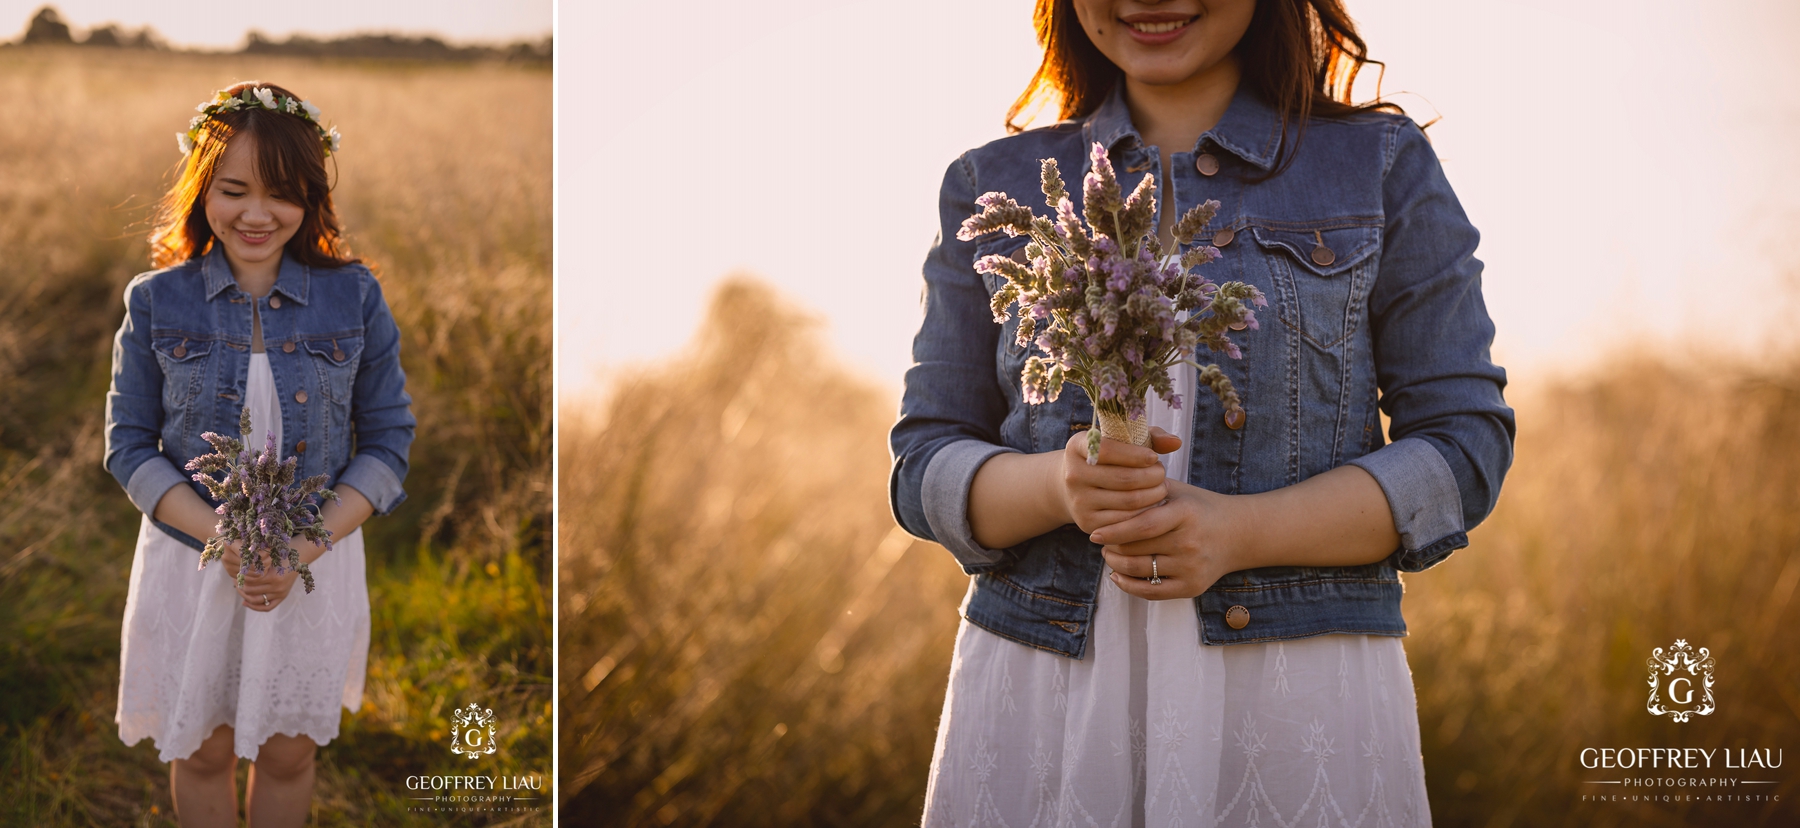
{"type": "Point", "coordinates": [261, 97]}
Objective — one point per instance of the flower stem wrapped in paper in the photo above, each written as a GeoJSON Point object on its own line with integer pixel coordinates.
{"type": "Point", "coordinates": [261, 506]}
{"type": "Point", "coordinates": [1098, 299]}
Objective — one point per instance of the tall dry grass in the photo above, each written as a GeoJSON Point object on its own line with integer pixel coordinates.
{"type": "Point", "coordinates": [1656, 500]}
{"type": "Point", "coordinates": [444, 184]}
{"type": "Point", "coordinates": [747, 640]}
{"type": "Point", "coordinates": [746, 637]}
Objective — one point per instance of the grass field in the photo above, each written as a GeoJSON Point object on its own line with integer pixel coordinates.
{"type": "Point", "coordinates": [445, 185]}
{"type": "Point", "coordinates": [747, 640]}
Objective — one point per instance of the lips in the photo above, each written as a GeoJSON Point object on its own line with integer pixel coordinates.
{"type": "Point", "coordinates": [1161, 27]}
{"type": "Point", "coordinates": [1157, 28]}
{"type": "Point", "coordinates": [255, 237]}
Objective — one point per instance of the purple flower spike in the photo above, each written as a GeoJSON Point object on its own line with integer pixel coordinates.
{"type": "Point", "coordinates": [1108, 306]}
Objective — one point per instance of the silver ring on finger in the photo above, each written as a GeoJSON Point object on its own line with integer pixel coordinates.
{"type": "Point", "coordinates": [1155, 578]}
{"type": "Point", "coordinates": [265, 599]}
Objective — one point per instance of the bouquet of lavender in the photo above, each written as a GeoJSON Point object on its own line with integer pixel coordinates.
{"type": "Point", "coordinates": [262, 508]}
{"type": "Point", "coordinates": [1101, 303]}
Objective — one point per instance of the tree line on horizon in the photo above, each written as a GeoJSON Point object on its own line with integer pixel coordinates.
{"type": "Point", "coordinates": [47, 27]}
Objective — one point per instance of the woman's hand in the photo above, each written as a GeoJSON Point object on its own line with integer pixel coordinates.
{"type": "Point", "coordinates": [274, 588]}
{"type": "Point", "coordinates": [1127, 479]}
{"type": "Point", "coordinates": [232, 560]}
{"type": "Point", "coordinates": [1194, 537]}
{"type": "Point", "coordinates": [1336, 518]}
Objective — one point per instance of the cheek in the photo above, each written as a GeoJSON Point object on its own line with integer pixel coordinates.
{"type": "Point", "coordinates": [290, 215]}
{"type": "Point", "coordinates": [1093, 17]}
{"type": "Point", "coordinates": [218, 212]}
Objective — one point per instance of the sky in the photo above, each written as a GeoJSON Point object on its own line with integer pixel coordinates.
{"type": "Point", "coordinates": [222, 24]}
{"type": "Point", "coordinates": [1627, 163]}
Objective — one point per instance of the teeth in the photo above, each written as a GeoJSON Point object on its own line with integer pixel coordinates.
{"type": "Point", "coordinates": [1159, 28]}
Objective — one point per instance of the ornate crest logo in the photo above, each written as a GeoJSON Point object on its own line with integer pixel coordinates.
{"type": "Point", "coordinates": [1673, 677]}
{"type": "Point", "coordinates": [472, 731]}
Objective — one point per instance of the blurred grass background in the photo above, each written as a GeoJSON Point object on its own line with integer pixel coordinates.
{"type": "Point", "coordinates": [445, 186]}
{"type": "Point", "coordinates": [748, 640]}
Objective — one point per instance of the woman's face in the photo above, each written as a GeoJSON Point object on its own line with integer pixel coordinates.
{"type": "Point", "coordinates": [252, 222]}
{"type": "Point", "coordinates": [1160, 42]}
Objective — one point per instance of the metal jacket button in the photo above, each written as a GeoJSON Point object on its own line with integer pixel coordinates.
{"type": "Point", "coordinates": [299, 396]}
{"type": "Point", "coordinates": [180, 351]}
{"type": "Point", "coordinates": [1237, 617]}
{"type": "Point", "coordinates": [300, 447]}
{"type": "Point", "coordinates": [1206, 164]}
{"type": "Point", "coordinates": [287, 347]}
{"type": "Point", "coordinates": [337, 355]}
{"type": "Point", "coordinates": [274, 301]}
{"type": "Point", "coordinates": [1322, 255]}
{"type": "Point", "coordinates": [1223, 237]}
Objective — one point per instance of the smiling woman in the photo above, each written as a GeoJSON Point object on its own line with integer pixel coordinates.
{"type": "Point", "coordinates": [257, 307]}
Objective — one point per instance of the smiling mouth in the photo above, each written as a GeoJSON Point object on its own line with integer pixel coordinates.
{"type": "Point", "coordinates": [1159, 27]}
{"type": "Point", "coordinates": [256, 237]}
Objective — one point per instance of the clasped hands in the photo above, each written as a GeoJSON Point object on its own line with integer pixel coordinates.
{"type": "Point", "coordinates": [268, 584]}
{"type": "Point", "coordinates": [1132, 509]}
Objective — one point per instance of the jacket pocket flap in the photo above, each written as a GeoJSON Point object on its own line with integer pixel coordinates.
{"type": "Point", "coordinates": [180, 348]}
{"type": "Point", "coordinates": [1326, 248]}
{"type": "Point", "coordinates": [341, 350]}
{"type": "Point", "coordinates": [1002, 245]}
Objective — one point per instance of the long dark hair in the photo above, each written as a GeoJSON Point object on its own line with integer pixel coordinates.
{"type": "Point", "coordinates": [289, 159]}
{"type": "Point", "coordinates": [1302, 56]}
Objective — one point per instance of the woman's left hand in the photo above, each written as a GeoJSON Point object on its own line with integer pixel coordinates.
{"type": "Point", "coordinates": [1193, 535]}
{"type": "Point", "coordinates": [267, 585]}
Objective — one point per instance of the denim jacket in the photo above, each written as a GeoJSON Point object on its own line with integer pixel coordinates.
{"type": "Point", "coordinates": [1374, 291]}
{"type": "Point", "coordinates": [182, 357]}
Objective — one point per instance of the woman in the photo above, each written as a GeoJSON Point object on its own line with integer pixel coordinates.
{"type": "Point", "coordinates": [257, 305]}
{"type": "Point", "coordinates": [1210, 639]}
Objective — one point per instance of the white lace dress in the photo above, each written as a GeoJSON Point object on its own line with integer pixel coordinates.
{"type": "Point", "coordinates": [192, 657]}
{"type": "Point", "coordinates": [1153, 729]}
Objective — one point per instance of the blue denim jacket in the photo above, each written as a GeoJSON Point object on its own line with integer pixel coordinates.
{"type": "Point", "coordinates": [182, 357]}
{"type": "Point", "coordinates": [1375, 300]}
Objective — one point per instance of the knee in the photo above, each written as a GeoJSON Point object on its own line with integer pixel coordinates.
{"type": "Point", "coordinates": [285, 757]}
{"type": "Point", "coordinates": [215, 756]}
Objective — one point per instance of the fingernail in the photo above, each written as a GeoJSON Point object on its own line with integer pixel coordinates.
{"type": "Point", "coordinates": [1095, 537]}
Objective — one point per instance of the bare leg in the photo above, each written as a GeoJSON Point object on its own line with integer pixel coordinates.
{"type": "Point", "coordinates": [281, 782]}
{"type": "Point", "coordinates": [204, 785]}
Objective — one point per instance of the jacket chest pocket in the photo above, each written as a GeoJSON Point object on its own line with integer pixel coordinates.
{"type": "Point", "coordinates": [1322, 271]}
{"type": "Point", "coordinates": [1009, 351]}
{"type": "Point", "coordinates": [335, 360]}
{"type": "Point", "coordinates": [183, 360]}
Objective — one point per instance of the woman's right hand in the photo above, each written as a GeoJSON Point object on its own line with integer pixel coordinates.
{"type": "Point", "coordinates": [1127, 479]}
{"type": "Point", "coordinates": [232, 559]}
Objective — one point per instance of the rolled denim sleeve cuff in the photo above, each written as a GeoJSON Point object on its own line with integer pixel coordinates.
{"type": "Point", "coordinates": [1423, 495]}
{"type": "Point", "coordinates": [945, 492]}
{"type": "Point", "coordinates": [375, 481]}
{"type": "Point", "coordinates": [152, 479]}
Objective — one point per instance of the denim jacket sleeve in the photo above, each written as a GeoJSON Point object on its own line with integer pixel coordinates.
{"type": "Point", "coordinates": [134, 408]}
{"type": "Point", "coordinates": [952, 408]}
{"type": "Point", "coordinates": [380, 410]}
{"type": "Point", "coordinates": [1452, 431]}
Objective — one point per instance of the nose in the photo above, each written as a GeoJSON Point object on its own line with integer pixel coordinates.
{"type": "Point", "coordinates": [257, 212]}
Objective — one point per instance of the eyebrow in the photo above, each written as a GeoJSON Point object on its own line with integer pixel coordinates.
{"type": "Point", "coordinates": [234, 181]}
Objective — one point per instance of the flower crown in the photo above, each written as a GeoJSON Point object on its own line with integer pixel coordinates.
{"type": "Point", "coordinates": [254, 97]}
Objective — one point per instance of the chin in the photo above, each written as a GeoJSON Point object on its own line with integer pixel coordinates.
{"type": "Point", "coordinates": [1161, 75]}
{"type": "Point", "coordinates": [260, 253]}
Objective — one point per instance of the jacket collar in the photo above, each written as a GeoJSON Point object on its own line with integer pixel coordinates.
{"type": "Point", "coordinates": [291, 280]}
{"type": "Point", "coordinates": [1250, 128]}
